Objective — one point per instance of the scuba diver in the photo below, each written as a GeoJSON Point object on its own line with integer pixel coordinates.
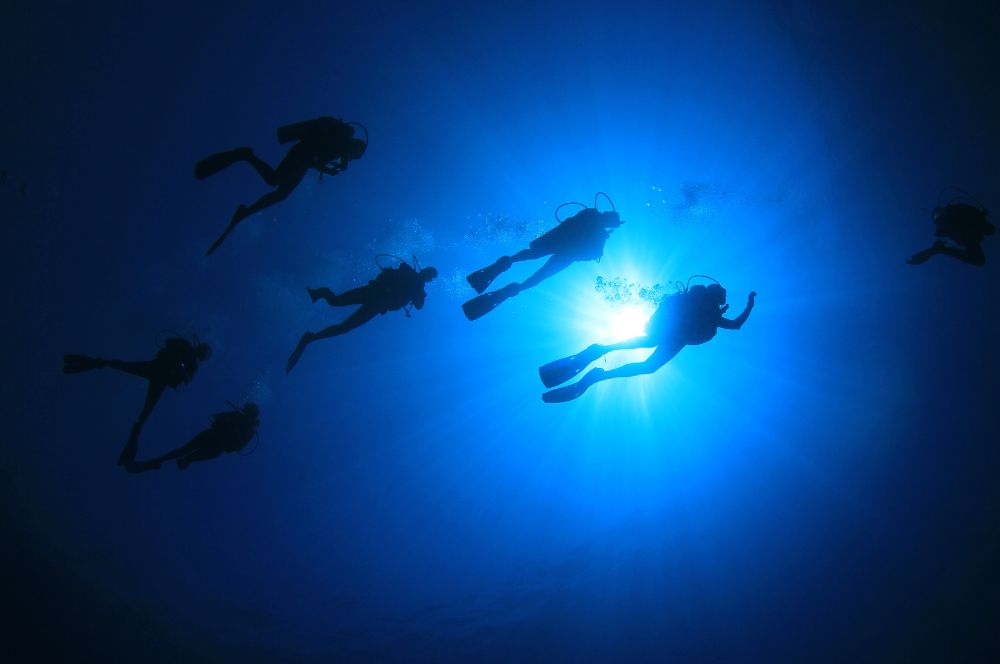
{"type": "Point", "coordinates": [230, 431]}
{"type": "Point", "coordinates": [393, 289]}
{"type": "Point", "coordinates": [578, 238]}
{"type": "Point", "coordinates": [326, 144]}
{"type": "Point", "coordinates": [966, 226]}
{"type": "Point", "coordinates": [688, 318]}
{"type": "Point", "coordinates": [175, 364]}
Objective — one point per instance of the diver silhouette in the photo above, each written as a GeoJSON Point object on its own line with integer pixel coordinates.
{"type": "Point", "coordinates": [393, 289]}
{"type": "Point", "coordinates": [578, 238]}
{"type": "Point", "coordinates": [966, 226]}
{"type": "Point", "coordinates": [326, 144]}
{"type": "Point", "coordinates": [230, 431]}
{"type": "Point", "coordinates": [175, 364]}
{"type": "Point", "coordinates": [3, 176]}
{"type": "Point", "coordinates": [688, 318]}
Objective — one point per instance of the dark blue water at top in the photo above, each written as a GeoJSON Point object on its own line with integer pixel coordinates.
{"type": "Point", "coordinates": [818, 486]}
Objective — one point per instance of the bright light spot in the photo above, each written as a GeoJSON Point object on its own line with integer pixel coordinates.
{"type": "Point", "coordinates": [623, 322]}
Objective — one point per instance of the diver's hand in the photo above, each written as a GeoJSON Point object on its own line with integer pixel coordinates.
{"type": "Point", "coordinates": [750, 298]}
{"type": "Point", "coordinates": [724, 309]}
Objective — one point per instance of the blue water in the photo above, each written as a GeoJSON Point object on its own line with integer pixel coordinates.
{"type": "Point", "coordinates": [818, 486]}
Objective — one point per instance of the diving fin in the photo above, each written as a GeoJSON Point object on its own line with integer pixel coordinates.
{"type": "Point", "coordinates": [559, 371]}
{"type": "Point", "coordinates": [926, 254]}
{"type": "Point", "coordinates": [238, 216]}
{"type": "Point", "coordinates": [480, 280]}
{"type": "Point", "coordinates": [212, 164]}
{"type": "Point", "coordinates": [293, 359]}
{"type": "Point", "coordinates": [131, 449]}
{"type": "Point", "coordinates": [570, 392]}
{"type": "Point", "coordinates": [79, 363]}
{"type": "Point", "coordinates": [479, 306]}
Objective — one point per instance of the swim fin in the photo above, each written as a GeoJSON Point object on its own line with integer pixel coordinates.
{"type": "Point", "coordinates": [212, 164]}
{"type": "Point", "coordinates": [480, 280]}
{"type": "Point", "coordinates": [238, 216]}
{"type": "Point", "coordinates": [559, 371]}
{"type": "Point", "coordinates": [79, 363]}
{"type": "Point", "coordinates": [293, 359]}
{"type": "Point", "coordinates": [321, 293]}
{"type": "Point", "coordinates": [131, 449]}
{"type": "Point", "coordinates": [478, 307]}
{"type": "Point", "coordinates": [570, 392]}
{"type": "Point", "coordinates": [926, 254]}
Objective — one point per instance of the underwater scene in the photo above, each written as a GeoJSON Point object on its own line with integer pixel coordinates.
{"type": "Point", "coordinates": [501, 332]}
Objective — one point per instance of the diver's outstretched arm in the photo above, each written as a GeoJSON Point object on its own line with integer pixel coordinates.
{"type": "Point", "coordinates": [737, 323]}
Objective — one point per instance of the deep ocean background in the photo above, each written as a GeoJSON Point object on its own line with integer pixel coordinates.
{"type": "Point", "coordinates": [819, 486]}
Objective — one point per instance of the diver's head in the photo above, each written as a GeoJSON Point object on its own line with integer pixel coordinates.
{"type": "Point", "coordinates": [355, 148]}
{"type": "Point", "coordinates": [251, 410]}
{"type": "Point", "coordinates": [611, 219]}
{"type": "Point", "coordinates": [428, 274]}
{"type": "Point", "coordinates": [715, 294]}
{"type": "Point", "coordinates": [203, 351]}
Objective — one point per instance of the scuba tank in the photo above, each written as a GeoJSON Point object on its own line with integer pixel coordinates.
{"type": "Point", "coordinates": [300, 131]}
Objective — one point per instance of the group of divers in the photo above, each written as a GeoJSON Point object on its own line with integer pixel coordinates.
{"type": "Point", "coordinates": [690, 317]}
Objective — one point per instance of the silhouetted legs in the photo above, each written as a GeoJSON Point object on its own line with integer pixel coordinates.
{"type": "Point", "coordinates": [131, 448]}
{"type": "Point", "coordinates": [199, 448]}
{"type": "Point", "coordinates": [567, 368]}
{"type": "Point", "coordinates": [664, 352]}
{"type": "Point", "coordinates": [481, 305]}
{"type": "Point", "coordinates": [971, 253]}
{"type": "Point", "coordinates": [358, 295]}
{"type": "Point", "coordinates": [357, 319]}
{"type": "Point", "coordinates": [286, 178]}
{"type": "Point", "coordinates": [557, 263]}
{"type": "Point", "coordinates": [147, 369]}
{"type": "Point", "coordinates": [267, 174]}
